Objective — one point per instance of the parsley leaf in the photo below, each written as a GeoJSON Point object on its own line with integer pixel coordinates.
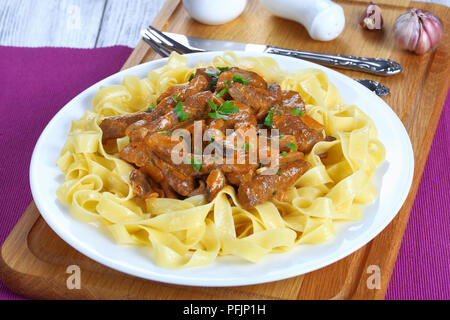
{"type": "Point", "coordinates": [268, 121]}
{"type": "Point", "coordinates": [149, 110]}
{"type": "Point", "coordinates": [279, 172]}
{"type": "Point", "coordinates": [246, 146]}
{"type": "Point", "coordinates": [217, 115]}
{"type": "Point", "coordinates": [175, 97]}
{"type": "Point", "coordinates": [228, 107]}
{"type": "Point", "coordinates": [284, 153]}
{"type": "Point", "coordinates": [212, 105]}
{"type": "Point", "coordinates": [297, 112]}
{"type": "Point", "coordinates": [292, 146]}
{"type": "Point", "coordinates": [222, 69]}
{"type": "Point", "coordinates": [191, 77]}
{"type": "Point", "coordinates": [165, 131]}
{"type": "Point", "coordinates": [240, 80]}
{"type": "Point", "coordinates": [196, 164]}
{"type": "Point", "coordinates": [180, 113]}
{"type": "Point", "coordinates": [221, 112]}
{"type": "Point", "coordinates": [223, 91]}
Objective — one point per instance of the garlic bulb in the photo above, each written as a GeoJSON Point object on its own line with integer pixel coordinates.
{"type": "Point", "coordinates": [418, 31]}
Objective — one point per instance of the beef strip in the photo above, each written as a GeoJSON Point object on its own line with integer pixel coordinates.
{"type": "Point", "coordinates": [115, 127]}
{"type": "Point", "coordinates": [143, 186]}
{"type": "Point", "coordinates": [119, 126]}
{"type": "Point", "coordinates": [289, 119]}
{"type": "Point", "coordinates": [254, 80]}
{"type": "Point", "coordinates": [259, 99]}
{"type": "Point", "coordinates": [181, 183]}
{"type": "Point", "coordinates": [194, 107]}
{"type": "Point", "coordinates": [262, 188]}
{"type": "Point", "coordinates": [244, 119]}
{"type": "Point", "coordinates": [215, 182]}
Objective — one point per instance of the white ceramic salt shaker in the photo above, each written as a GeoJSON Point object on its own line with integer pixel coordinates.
{"type": "Point", "coordinates": [214, 12]}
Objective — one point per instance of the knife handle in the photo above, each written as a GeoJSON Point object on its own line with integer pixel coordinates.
{"type": "Point", "coordinates": [381, 67]}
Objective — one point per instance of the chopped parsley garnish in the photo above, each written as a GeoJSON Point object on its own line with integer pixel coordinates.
{"type": "Point", "coordinates": [191, 77]}
{"type": "Point", "coordinates": [196, 164]}
{"type": "Point", "coordinates": [221, 112]}
{"type": "Point", "coordinates": [158, 102]}
{"type": "Point", "coordinates": [175, 97]}
{"type": "Point", "coordinates": [279, 112]}
{"type": "Point", "coordinates": [284, 153]}
{"type": "Point", "coordinates": [222, 69]}
{"type": "Point", "coordinates": [165, 131]}
{"type": "Point", "coordinates": [279, 172]}
{"type": "Point", "coordinates": [149, 110]}
{"type": "Point", "coordinates": [167, 173]}
{"type": "Point", "coordinates": [224, 90]}
{"type": "Point", "coordinates": [268, 121]}
{"type": "Point", "coordinates": [180, 113]}
{"type": "Point", "coordinates": [228, 107]}
{"type": "Point", "coordinates": [292, 146]}
{"type": "Point", "coordinates": [240, 80]}
{"type": "Point", "coordinates": [297, 112]}
{"type": "Point", "coordinates": [246, 146]}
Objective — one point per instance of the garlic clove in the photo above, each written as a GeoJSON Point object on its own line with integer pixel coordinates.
{"type": "Point", "coordinates": [423, 43]}
{"type": "Point", "coordinates": [372, 18]}
{"type": "Point", "coordinates": [432, 26]}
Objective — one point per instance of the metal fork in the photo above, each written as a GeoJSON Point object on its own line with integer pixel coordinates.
{"type": "Point", "coordinates": [165, 45]}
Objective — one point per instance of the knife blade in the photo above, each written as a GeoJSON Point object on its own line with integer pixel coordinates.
{"type": "Point", "coordinates": [378, 66]}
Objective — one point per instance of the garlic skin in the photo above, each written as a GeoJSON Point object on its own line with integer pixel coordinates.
{"type": "Point", "coordinates": [418, 31]}
{"type": "Point", "coordinates": [372, 18]}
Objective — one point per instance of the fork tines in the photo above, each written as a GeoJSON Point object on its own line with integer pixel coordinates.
{"type": "Point", "coordinates": [163, 44]}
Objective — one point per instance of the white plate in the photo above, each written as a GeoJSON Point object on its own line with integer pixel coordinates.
{"type": "Point", "coordinates": [393, 180]}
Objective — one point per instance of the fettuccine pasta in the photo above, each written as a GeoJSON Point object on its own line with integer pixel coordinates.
{"type": "Point", "coordinates": [194, 232]}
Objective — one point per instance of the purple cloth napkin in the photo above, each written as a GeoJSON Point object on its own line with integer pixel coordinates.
{"type": "Point", "coordinates": [36, 82]}
{"type": "Point", "coordinates": [422, 269]}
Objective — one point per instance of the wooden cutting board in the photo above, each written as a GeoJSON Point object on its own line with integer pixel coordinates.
{"type": "Point", "coordinates": [34, 260]}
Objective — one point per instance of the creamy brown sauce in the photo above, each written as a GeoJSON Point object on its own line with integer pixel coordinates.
{"type": "Point", "coordinates": [255, 105]}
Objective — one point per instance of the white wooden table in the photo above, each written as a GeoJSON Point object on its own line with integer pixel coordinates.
{"type": "Point", "coordinates": [79, 23]}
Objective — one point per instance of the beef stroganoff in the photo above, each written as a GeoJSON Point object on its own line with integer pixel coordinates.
{"type": "Point", "coordinates": [316, 169]}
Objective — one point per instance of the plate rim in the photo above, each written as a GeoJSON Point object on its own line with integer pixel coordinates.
{"type": "Point", "coordinates": [195, 281]}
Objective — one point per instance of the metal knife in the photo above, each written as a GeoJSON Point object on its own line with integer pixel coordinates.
{"type": "Point", "coordinates": [378, 66]}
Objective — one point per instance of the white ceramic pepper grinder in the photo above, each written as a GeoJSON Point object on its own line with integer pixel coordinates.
{"type": "Point", "coordinates": [324, 19]}
{"type": "Point", "coordinates": [214, 12]}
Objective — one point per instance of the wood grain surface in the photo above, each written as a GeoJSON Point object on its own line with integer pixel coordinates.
{"type": "Point", "coordinates": [75, 23]}
{"type": "Point", "coordinates": [34, 260]}
{"type": "Point", "coordinates": [79, 23]}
